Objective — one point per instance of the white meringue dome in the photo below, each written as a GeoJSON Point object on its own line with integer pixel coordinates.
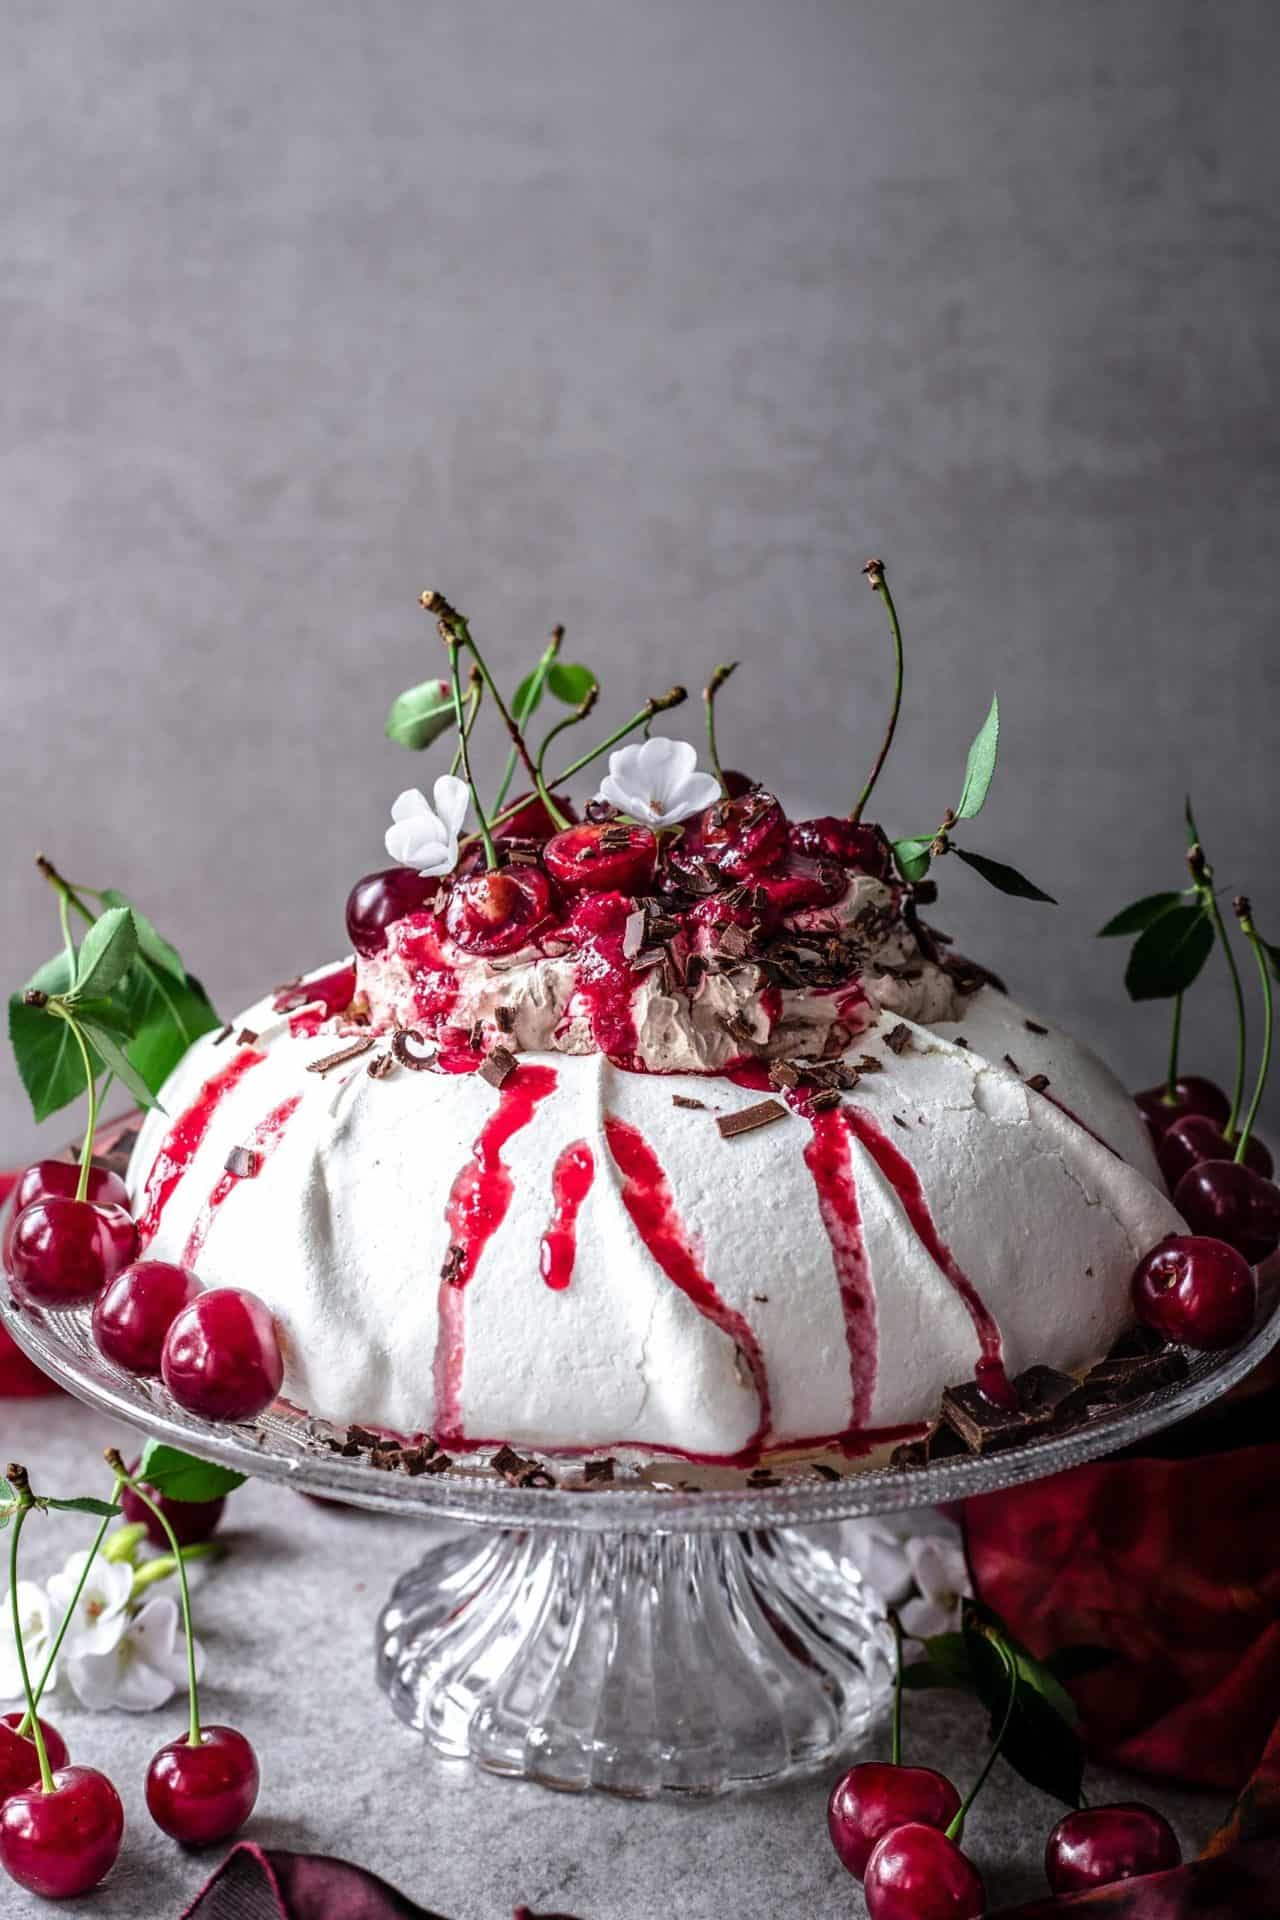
{"type": "Point", "coordinates": [580, 1259]}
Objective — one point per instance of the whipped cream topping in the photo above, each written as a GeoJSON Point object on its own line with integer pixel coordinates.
{"type": "Point", "coordinates": [688, 1004]}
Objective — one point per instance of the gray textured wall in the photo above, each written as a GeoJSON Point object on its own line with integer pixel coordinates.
{"type": "Point", "coordinates": [655, 319]}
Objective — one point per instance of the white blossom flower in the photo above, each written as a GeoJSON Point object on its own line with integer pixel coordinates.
{"type": "Point", "coordinates": [146, 1666]}
{"type": "Point", "coordinates": [425, 836]}
{"type": "Point", "coordinates": [38, 1620]}
{"type": "Point", "coordinates": [658, 783]}
{"type": "Point", "coordinates": [941, 1576]}
{"type": "Point", "coordinates": [101, 1613]}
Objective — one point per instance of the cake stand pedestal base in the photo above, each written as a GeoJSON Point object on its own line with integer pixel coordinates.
{"type": "Point", "coordinates": [635, 1663]}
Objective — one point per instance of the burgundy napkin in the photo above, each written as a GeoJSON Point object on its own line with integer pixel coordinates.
{"type": "Point", "coordinates": [256, 1883]}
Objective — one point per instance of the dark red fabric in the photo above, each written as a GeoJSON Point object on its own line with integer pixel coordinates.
{"type": "Point", "coordinates": [1175, 1566]}
{"type": "Point", "coordinates": [1241, 1885]}
{"type": "Point", "coordinates": [19, 1379]}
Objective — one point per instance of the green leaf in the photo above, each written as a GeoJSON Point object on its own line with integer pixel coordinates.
{"type": "Point", "coordinates": [421, 714]}
{"type": "Point", "coordinates": [913, 857]}
{"type": "Point", "coordinates": [1168, 956]}
{"type": "Point", "coordinates": [569, 683]}
{"type": "Point", "coordinates": [1273, 955]}
{"type": "Point", "coordinates": [165, 1018]}
{"type": "Point", "coordinates": [528, 695]}
{"type": "Point", "coordinates": [1042, 1741]}
{"type": "Point", "coordinates": [106, 954]}
{"type": "Point", "coordinates": [48, 1059]}
{"type": "Point", "coordinates": [1006, 879]}
{"type": "Point", "coordinates": [103, 1508]}
{"type": "Point", "coordinates": [981, 765]}
{"type": "Point", "coordinates": [180, 1477]}
{"type": "Point", "coordinates": [947, 1665]}
{"type": "Point", "coordinates": [107, 1046]}
{"type": "Point", "coordinates": [152, 945]}
{"type": "Point", "coordinates": [1141, 915]}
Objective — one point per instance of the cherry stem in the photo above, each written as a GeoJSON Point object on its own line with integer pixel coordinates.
{"type": "Point", "coordinates": [17, 1478]}
{"type": "Point", "coordinates": [491, 858]}
{"type": "Point", "coordinates": [956, 1829]}
{"type": "Point", "coordinates": [1170, 1095]}
{"type": "Point", "coordinates": [536, 682]}
{"type": "Point", "coordinates": [1202, 877]}
{"type": "Point", "coordinates": [895, 1752]}
{"type": "Point", "coordinates": [1244, 914]}
{"type": "Point", "coordinates": [475, 694]}
{"type": "Point", "coordinates": [116, 1463]}
{"type": "Point", "coordinates": [874, 571]}
{"type": "Point", "coordinates": [91, 1085]}
{"type": "Point", "coordinates": [24, 1725]}
{"type": "Point", "coordinates": [709, 693]}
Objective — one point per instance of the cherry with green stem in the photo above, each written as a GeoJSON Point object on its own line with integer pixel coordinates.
{"type": "Point", "coordinates": [875, 572]}
{"type": "Point", "coordinates": [203, 1787]}
{"type": "Point", "coordinates": [61, 1835]}
{"type": "Point", "coordinates": [709, 693]}
{"type": "Point", "coordinates": [524, 708]}
{"type": "Point", "coordinates": [660, 703]}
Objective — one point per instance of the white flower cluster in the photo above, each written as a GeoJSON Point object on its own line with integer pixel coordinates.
{"type": "Point", "coordinates": [118, 1651]}
{"type": "Point", "coordinates": [915, 1562]}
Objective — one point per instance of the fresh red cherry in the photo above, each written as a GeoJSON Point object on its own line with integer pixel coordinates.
{"type": "Point", "coordinates": [1195, 1138]}
{"type": "Point", "coordinates": [20, 1378]}
{"type": "Point", "coordinates": [19, 1761]}
{"type": "Point", "coordinates": [871, 1799]}
{"type": "Point", "coordinates": [531, 821]}
{"type": "Point", "coordinates": [1192, 1094]}
{"type": "Point", "coordinates": [916, 1873]}
{"type": "Point", "coordinates": [205, 1793]}
{"type": "Point", "coordinates": [613, 858]}
{"type": "Point", "coordinates": [191, 1520]}
{"type": "Point", "coordinates": [374, 902]}
{"type": "Point", "coordinates": [499, 909]}
{"type": "Point", "coordinates": [134, 1312]}
{"type": "Point", "coordinates": [221, 1358]}
{"type": "Point", "coordinates": [63, 1252]}
{"type": "Point", "coordinates": [1197, 1291]}
{"type": "Point", "coordinates": [1231, 1203]}
{"type": "Point", "coordinates": [864, 848]}
{"type": "Point", "coordinates": [48, 1177]}
{"type": "Point", "coordinates": [801, 884]}
{"type": "Point", "coordinates": [1100, 1845]}
{"type": "Point", "coordinates": [744, 837]}
{"type": "Point", "coordinates": [62, 1843]}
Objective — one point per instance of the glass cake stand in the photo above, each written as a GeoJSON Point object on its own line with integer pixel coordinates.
{"type": "Point", "coordinates": [628, 1637]}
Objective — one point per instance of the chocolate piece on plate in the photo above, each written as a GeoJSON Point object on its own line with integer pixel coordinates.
{"type": "Point", "coordinates": [1114, 1382]}
{"type": "Point", "coordinates": [898, 1038]}
{"type": "Point", "coordinates": [982, 1425]}
{"type": "Point", "coordinates": [686, 1100]}
{"type": "Point", "coordinates": [243, 1162]}
{"type": "Point", "coordinates": [747, 1119]}
{"type": "Point", "coordinates": [598, 1472]}
{"type": "Point", "coordinates": [498, 1066]}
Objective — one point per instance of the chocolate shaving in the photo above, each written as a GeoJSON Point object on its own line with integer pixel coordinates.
{"type": "Point", "coordinates": [475, 1036]}
{"type": "Point", "coordinates": [898, 1121]}
{"type": "Point", "coordinates": [617, 834]}
{"type": "Point", "coordinates": [363, 1437]}
{"type": "Point", "coordinates": [661, 928]}
{"type": "Point", "coordinates": [340, 1058]}
{"type": "Point", "coordinates": [223, 1033]}
{"type": "Point", "coordinates": [454, 1261]}
{"type": "Point", "coordinates": [380, 1066]}
{"type": "Point", "coordinates": [869, 1063]}
{"type": "Point", "coordinates": [981, 1424]}
{"type": "Point", "coordinates": [1038, 1082]}
{"type": "Point", "coordinates": [1011, 1062]}
{"type": "Point", "coordinates": [763, 1477]}
{"type": "Point", "coordinates": [824, 1100]}
{"type": "Point", "coordinates": [400, 1049]}
{"type": "Point", "coordinates": [504, 1019]}
{"type": "Point", "coordinates": [498, 1066]}
{"type": "Point", "coordinates": [1033, 1026]}
{"type": "Point", "coordinates": [535, 1476]}
{"type": "Point", "coordinates": [633, 934]}
{"type": "Point", "coordinates": [243, 1162]}
{"type": "Point", "coordinates": [783, 1073]}
{"type": "Point", "coordinates": [960, 1041]}
{"type": "Point", "coordinates": [438, 1463]}
{"type": "Point", "coordinates": [747, 1119]}
{"type": "Point", "coordinates": [598, 1472]}
{"type": "Point", "coordinates": [695, 971]}
{"type": "Point", "coordinates": [734, 941]}
{"type": "Point", "coordinates": [899, 1038]}
{"type": "Point", "coordinates": [821, 1471]}
{"type": "Point", "coordinates": [685, 1100]}
{"type": "Point", "coordinates": [246, 1037]}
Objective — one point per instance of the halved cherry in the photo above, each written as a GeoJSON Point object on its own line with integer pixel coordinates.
{"type": "Point", "coordinates": [498, 910]}
{"type": "Point", "coordinates": [853, 843]}
{"type": "Point", "coordinates": [609, 858]}
{"type": "Point", "coordinates": [744, 837]}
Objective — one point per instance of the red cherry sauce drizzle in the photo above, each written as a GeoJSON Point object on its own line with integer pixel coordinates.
{"type": "Point", "coordinates": [905, 1181]}
{"type": "Point", "coordinates": [264, 1140]}
{"type": "Point", "coordinates": [604, 985]}
{"type": "Point", "coordinates": [476, 1208]}
{"type": "Point", "coordinates": [829, 1160]}
{"type": "Point", "coordinates": [184, 1139]}
{"type": "Point", "coordinates": [571, 1180]}
{"type": "Point", "coordinates": [333, 991]}
{"type": "Point", "coordinates": [647, 1198]}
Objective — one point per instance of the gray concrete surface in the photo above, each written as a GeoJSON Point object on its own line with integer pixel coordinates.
{"type": "Point", "coordinates": [656, 320]}
{"type": "Point", "coordinates": [288, 1621]}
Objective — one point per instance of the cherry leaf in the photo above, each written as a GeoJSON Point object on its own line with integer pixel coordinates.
{"type": "Point", "coordinates": [421, 714]}
{"type": "Point", "coordinates": [1273, 954]}
{"type": "Point", "coordinates": [980, 765]}
{"type": "Point", "coordinates": [569, 683]}
{"type": "Point", "coordinates": [165, 1017]}
{"type": "Point", "coordinates": [106, 954]}
{"type": "Point", "coordinates": [109, 1049]}
{"type": "Point", "coordinates": [48, 1059]}
{"type": "Point", "coordinates": [1169, 954]}
{"type": "Point", "coordinates": [180, 1477]}
{"type": "Point", "coordinates": [151, 944]}
{"type": "Point", "coordinates": [913, 857]}
{"type": "Point", "coordinates": [1006, 879]}
{"type": "Point", "coordinates": [105, 1509]}
{"type": "Point", "coordinates": [1141, 915]}
{"type": "Point", "coordinates": [1042, 1741]}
